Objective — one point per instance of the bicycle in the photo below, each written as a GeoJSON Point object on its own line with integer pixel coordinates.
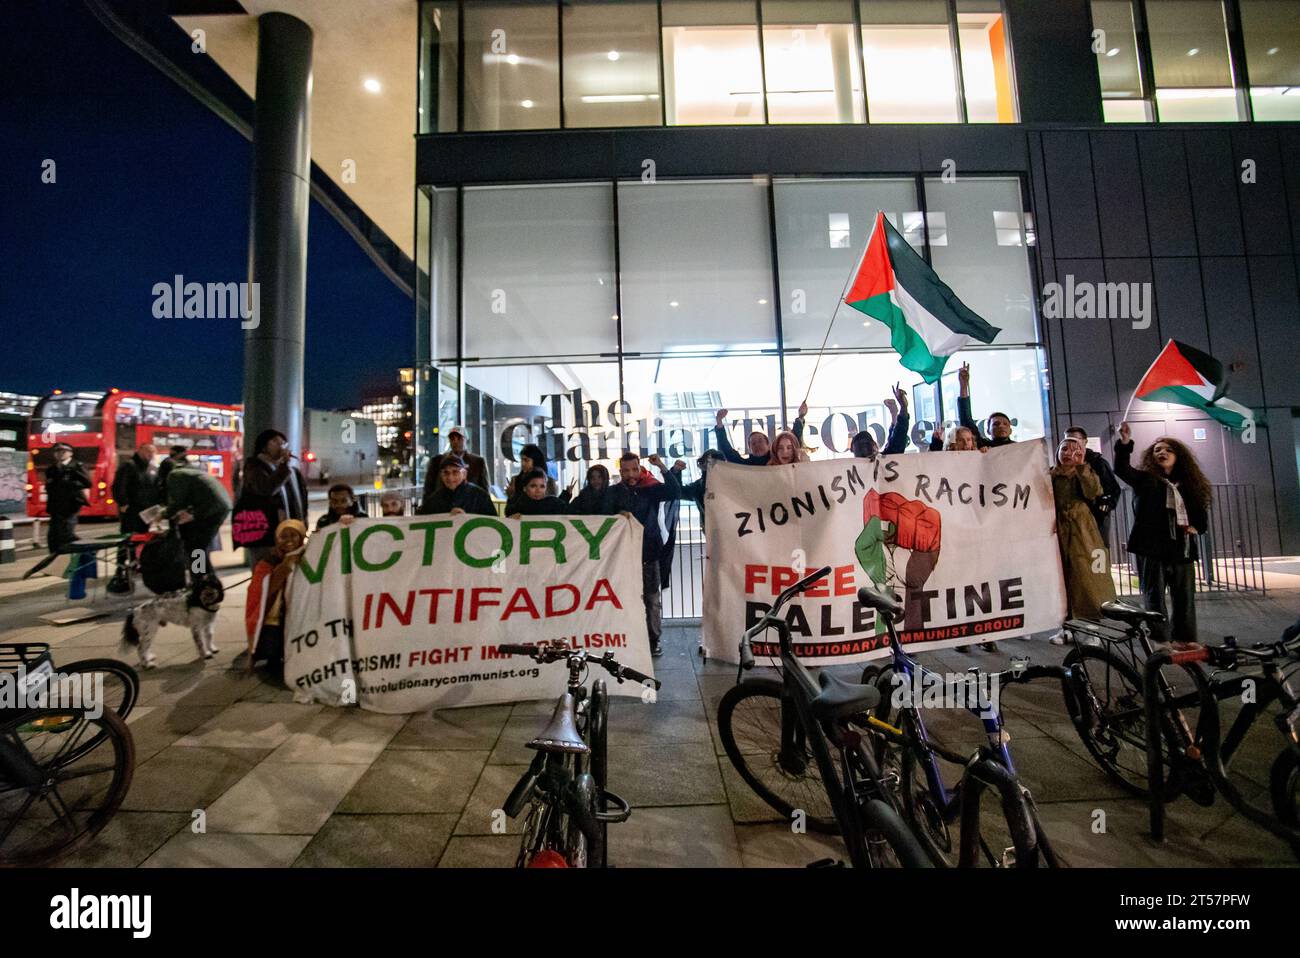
{"type": "Point", "coordinates": [564, 789]}
{"type": "Point", "coordinates": [64, 768]}
{"type": "Point", "coordinates": [929, 805]}
{"type": "Point", "coordinates": [797, 721]}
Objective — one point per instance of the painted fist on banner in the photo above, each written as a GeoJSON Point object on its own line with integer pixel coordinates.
{"type": "Point", "coordinates": [915, 525]}
{"type": "Point", "coordinates": [895, 522]}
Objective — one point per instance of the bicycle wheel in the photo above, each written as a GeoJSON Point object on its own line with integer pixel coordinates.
{"type": "Point", "coordinates": [923, 813]}
{"type": "Point", "coordinates": [50, 802]}
{"type": "Point", "coordinates": [889, 842]}
{"type": "Point", "coordinates": [750, 718]}
{"type": "Point", "coordinates": [115, 688]}
{"type": "Point", "coordinates": [1284, 781]}
{"type": "Point", "coordinates": [1106, 707]}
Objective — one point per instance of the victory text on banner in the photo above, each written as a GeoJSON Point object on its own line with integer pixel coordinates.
{"type": "Point", "coordinates": [967, 539]}
{"type": "Point", "coordinates": [406, 614]}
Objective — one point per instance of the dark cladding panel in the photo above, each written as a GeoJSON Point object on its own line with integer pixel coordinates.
{"type": "Point", "coordinates": [1056, 70]}
{"type": "Point", "coordinates": [1038, 185]}
{"type": "Point", "coordinates": [1289, 140]}
{"type": "Point", "coordinates": [1118, 178]}
{"type": "Point", "coordinates": [974, 148]}
{"type": "Point", "coordinates": [1213, 177]}
{"type": "Point", "coordinates": [1179, 307]}
{"type": "Point", "coordinates": [1231, 320]}
{"type": "Point", "coordinates": [1281, 439]}
{"type": "Point", "coordinates": [1134, 348]}
{"type": "Point", "coordinates": [1087, 347]}
{"type": "Point", "coordinates": [1075, 233]}
{"type": "Point", "coordinates": [1169, 203]}
{"type": "Point", "coordinates": [1277, 323]}
{"type": "Point", "coordinates": [1263, 201]}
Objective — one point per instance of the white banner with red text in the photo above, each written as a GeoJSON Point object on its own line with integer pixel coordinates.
{"type": "Point", "coordinates": [966, 539]}
{"type": "Point", "coordinates": [406, 614]}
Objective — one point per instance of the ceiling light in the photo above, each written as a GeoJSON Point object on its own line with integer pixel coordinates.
{"type": "Point", "coordinates": [372, 85]}
{"type": "Point", "coordinates": [613, 54]}
{"type": "Point", "coordinates": [513, 59]}
{"type": "Point", "coordinates": [762, 302]}
{"type": "Point", "coordinates": [1193, 51]}
{"type": "Point", "coordinates": [527, 104]}
{"type": "Point", "coordinates": [1272, 50]}
{"type": "Point", "coordinates": [672, 303]}
{"type": "Point", "coordinates": [1113, 51]}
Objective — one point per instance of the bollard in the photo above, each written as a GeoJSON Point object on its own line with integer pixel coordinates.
{"type": "Point", "coordinates": [7, 553]}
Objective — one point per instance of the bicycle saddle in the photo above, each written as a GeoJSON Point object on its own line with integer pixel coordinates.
{"type": "Point", "coordinates": [841, 699]}
{"type": "Point", "coordinates": [881, 601]}
{"type": "Point", "coordinates": [561, 734]}
{"type": "Point", "coordinates": [1129, 613]}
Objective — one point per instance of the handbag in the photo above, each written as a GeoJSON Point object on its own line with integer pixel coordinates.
{"type": "Point", "coordinates": [253, 520]}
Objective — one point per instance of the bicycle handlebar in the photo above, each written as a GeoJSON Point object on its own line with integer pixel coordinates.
{"type": "Point", "coordinates": [746, 654]}
{"type": "Point", "coordinates": [552, 653]}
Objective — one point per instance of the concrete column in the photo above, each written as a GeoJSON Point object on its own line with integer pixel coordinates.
{"type": "Point", "coordinates": [273, 348]}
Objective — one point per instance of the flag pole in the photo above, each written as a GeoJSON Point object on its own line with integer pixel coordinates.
{"type": "Point", "coordinates": [839, 301]}
{"type": "Point", "coordinates": [1129, 407]}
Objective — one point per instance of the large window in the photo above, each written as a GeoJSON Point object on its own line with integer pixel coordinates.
{"type": "Point", "coordinates": [811, 62]}
{"type": "Point", "coordinates": [910, 62]}
{"type": "Point", "coordinates": [985, 62]}
{"type": "Point", "coordinates": [512, 76]}
{"type": "Point", "coordinates": [611, 64]}
{"type": "Point", "coordinates": [539, 271]}
{"type": "Point", "coordinates": [712, 66]}
{"type": "Point", "coordinates": [439, 67]}
{"type": "Point", "coordinates": [1271, 34]}
{"type": "Point", "coordinates": [696, 265]}
{"type": "Point", "coordinates": [1123, 94]}
{"type": "Point", "coordinates": [1190, 57]}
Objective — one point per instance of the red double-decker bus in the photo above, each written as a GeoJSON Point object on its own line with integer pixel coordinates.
{"type": "Point", "coordinates": [105, 428]}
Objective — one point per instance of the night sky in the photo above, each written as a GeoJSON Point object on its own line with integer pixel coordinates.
{"type": "Point", "coordinates": [150, 183]}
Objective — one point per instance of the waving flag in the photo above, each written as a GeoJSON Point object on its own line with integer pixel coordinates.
{"type": "Point", "coordinates": [1185, 376]}
{"type": "Point", "coordinates": [926, 320]}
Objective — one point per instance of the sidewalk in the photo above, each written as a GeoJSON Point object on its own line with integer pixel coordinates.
{"type": "Point", "coordinates": [305, 785]}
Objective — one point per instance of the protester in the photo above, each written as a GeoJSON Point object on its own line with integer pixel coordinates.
{"type": "Point", "coordinates": [278, 486]}
{"type": "Point", "coordinates": [758, 444]}
{"type": "Point", "coordinates": [863, 444]}
{"type": "Point", "coordinates": [456, 494]}
{"type": "Point", "coordinates": [1103, 505]}
{"type": "Point", "coordinates": [475, 467]}
{"type": "Point", "coordinates": [999, 423]}
{"type": "Point", "coordinates": [66, 483]}
{"type": "Point", "coordinates": [1084, 561]}
{"type": "Point", "coordinates": [641, 499]}
{"type": "Point", "coordinates": [176, 456]}
{"type": "Point", "coordinates": [530, 457]}
{"type": "Point", "coordinates": [135, 488]}
{"type": "Point", "coordinates": [596, 497]}
{"type": "Point", "coordinates": [344, 508]}
{"type": "Point", "coordinates": [267, 604]}
{"type": "Point", "coordinates": [786, 450]}
{"type": "Point", "coordinates": [391, 504]}
{"type": "Point", "coordinates": [535, 501]}
{"type": "Point", "coordinates": [1171, 509]}
{"type": "Point", "coordinates": [694, 491]}
{"type": "Point", "coordinates": [197, 503]}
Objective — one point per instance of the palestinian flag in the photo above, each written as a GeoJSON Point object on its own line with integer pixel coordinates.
{"type": "Point", "coordinates": [1186, 376]}
{"type": "Point", "coordinates": [926, 320]}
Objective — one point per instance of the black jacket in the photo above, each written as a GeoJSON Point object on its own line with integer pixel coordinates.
{"type": "Point", "coordinates": [589, 502]}
{"type": "Point", "coordinates": [1110, 490]}
{"type": "Point", "coordinates": [545, 506]}
{"type": "Point", "coordinates": [966, 419]}
{"type": "Point", "coordinates": [65, 489]}
{"type": "Point", "coordinates": [282, 484]}
{"type": "Point", "coordinates": [330, 518]}
{"type": "Point", "coordinates": [1154, 533]}
{"type": "Point", "coordinates": [475, 472]}
{"type": "Point", "coordinates": [473, 499]}
{"type": "Point", "coordinates": [729, 451]}
{"type": "Point", "coordinates": [135, 485]}
{"type": "Point", "coordinates": [643, 502]}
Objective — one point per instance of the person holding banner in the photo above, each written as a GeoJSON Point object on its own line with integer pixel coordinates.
{"type": "Point", "coordinates": [760, 447]}
{"type": "Point", "coordinates": [640, 497]}
{"type": "Point", "coordinates": [456, 495]}
{"type": "Point", "coordinates": [786, 450]}
{"type": "Point", "coordinates": [1172, 507]}
{"type": "Point", "coordinates": [1084, 560]}
{"type": "Point", "coordinates": [596, 497]}
{"type": "Point", "coordinates": [999, 422]}
{"type": "Point", "coordinates": [267, 605]}
{"type": "Point", "coordinates": [535, 501]}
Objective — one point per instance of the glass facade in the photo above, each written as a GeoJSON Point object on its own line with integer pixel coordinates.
{"type": "Point", "coordinates": [523, 65]}
{"type": "Point", "coordinates": [599, 317]}
{"type": "Point", "coordinates": [1198, 60]}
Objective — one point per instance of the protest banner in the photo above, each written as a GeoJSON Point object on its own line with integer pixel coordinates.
{"type": "Point", "coordinates": [406, 614]}
{"type": "Point", "coordinates": [966, 539]}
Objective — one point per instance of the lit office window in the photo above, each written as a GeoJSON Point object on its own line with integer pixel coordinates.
{"type": "Point", "coordinates": [1189, 54]}
{"type": "Point", "coordinates": [611, 64]}
{"type": "Point", "coordinates": [712, 68]}
{"type": "Point", "coordinates": [811, 63]}
{"type": "Point", "coordinates": [1271, 29]}
{"type": "Point", "coordinates": [910, 71]}
{"type": "Point", "coordinates": [697, 265]}
{"type": "Point", "coordinates": [439, 67]}
{"type": "Point", "coordinates": [815, 266]}
{"type": "Point", "coordinates": [512, 76]}
{"type": "Point", "coordinates": [442, 273]}
{"type": "Point", "coordinates": [985, 62]}
{"type": "Point", "coordinates": [1123, 96]}
{"type": "Point", "coordinates": [989, 274]}
{"type": "Point", "coordinates": [539, 271]}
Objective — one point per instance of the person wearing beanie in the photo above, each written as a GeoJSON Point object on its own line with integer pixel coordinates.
{"type": "Point", "coordinates": [277, 486]}
{"type": "Point", "coordinates": [267, 605]}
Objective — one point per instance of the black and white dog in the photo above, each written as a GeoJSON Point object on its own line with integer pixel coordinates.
{"type": "Point", "coordinates": [195, 608]}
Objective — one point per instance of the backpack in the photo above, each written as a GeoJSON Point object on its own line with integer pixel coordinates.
{"type": "Point", "coordinates": [162, 563]}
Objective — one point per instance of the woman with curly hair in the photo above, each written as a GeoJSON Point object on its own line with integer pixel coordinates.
{"type": "Point", "coordinates": [786, 449]}
{"type": "Point", "coordinates": [1172, 507]}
